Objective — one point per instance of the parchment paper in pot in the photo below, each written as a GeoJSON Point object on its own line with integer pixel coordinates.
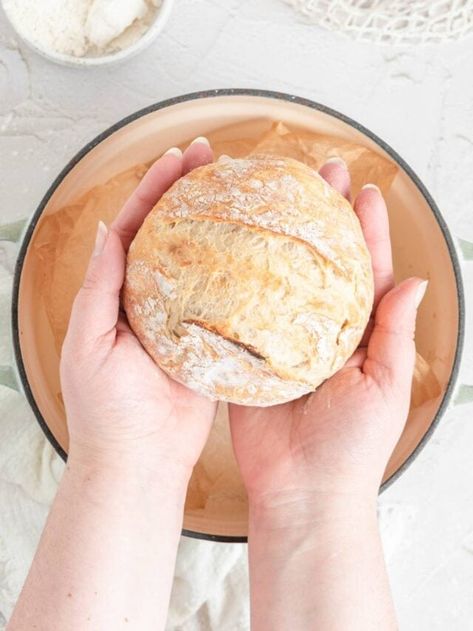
{"type": "Point", "coordinates": [314, 149]}
{"type": "Point", "coordinates": [65, 239]}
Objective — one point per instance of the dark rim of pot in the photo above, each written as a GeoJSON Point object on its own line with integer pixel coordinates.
{"type": "Point", "coordinates": [253, 93]}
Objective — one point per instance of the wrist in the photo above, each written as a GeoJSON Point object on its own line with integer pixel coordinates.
{"type": "Point", "coordinates": [118, 467]}
{"type": "Point", "coordinates": [308, 510]}
{"type": "Point", "coordinates": [305, 532]}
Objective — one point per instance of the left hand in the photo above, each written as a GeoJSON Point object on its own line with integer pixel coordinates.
{"type": "Point", "coordinates": [121, 407]}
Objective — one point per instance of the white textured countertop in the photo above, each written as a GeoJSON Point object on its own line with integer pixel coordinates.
{"type": "Point", "coordinates": [420, 100]}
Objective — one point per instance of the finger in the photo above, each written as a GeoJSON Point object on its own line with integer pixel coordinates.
{"type": "Point", "coordinates": [95, 309]}
{"type": "Point", "coordinates": [367, 332]}
{"type": "Point", "coordinates": [357, 359]}
{"type": "Point", "coordinates": [373, 215]}
{"type": "Point", "coordinates": [124, 330]}
{"type": "Point", "coordinates": [197, 154]}
{"type": "Point", "coordinates": [159, 177]}
{"type": "Point", "coordinates": [391, 349]}
{"type": "Point", "coordinates": [335, 172]}
{"type": "Point", "coordinates": [122, 323]}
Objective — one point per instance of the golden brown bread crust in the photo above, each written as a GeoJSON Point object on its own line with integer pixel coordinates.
{"type": "Point", "coordinates": [250, 281]}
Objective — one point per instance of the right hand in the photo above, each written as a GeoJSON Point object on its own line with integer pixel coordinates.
{"type": "Point", "coordinates": [335, 442]}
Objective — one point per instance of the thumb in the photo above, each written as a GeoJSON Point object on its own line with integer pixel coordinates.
{"type": "Point", "coordinates": [96, 306]}
{"type": "Point", "coordinates": [391, 348]}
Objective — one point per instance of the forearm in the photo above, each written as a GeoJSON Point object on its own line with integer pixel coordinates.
{"type": "Point", "coordinates": [318, 569]}
{"type": "Point", "coordinates": [106, 557]}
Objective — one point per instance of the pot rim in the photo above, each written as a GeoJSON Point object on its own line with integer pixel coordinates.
{"type": "Point", "coordinates": [250, 93]}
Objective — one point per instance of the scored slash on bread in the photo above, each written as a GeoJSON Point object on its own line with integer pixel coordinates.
{"type": "Point", "coordinates": [250, 280]}
{"type": "Point", "coordinates": [245, 346]}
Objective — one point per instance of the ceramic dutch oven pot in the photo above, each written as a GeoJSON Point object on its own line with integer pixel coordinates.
{"type": "Point", "coordinates": [422, 246]}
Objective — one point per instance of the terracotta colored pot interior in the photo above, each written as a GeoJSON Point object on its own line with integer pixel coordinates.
{"type": "Point", "coordinates": [418, 242]}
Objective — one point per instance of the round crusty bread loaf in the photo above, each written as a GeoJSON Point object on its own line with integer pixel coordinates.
{"type": "Point", "coordinates": [250, 281]}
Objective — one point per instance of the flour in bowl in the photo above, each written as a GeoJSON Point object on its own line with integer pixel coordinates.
{"type": "Point", "coordinates": [81, 27]}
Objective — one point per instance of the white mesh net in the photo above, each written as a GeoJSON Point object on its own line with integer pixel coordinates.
{"type": "Point", "coordinates": [392, 21]}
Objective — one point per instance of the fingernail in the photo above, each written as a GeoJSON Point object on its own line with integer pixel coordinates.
{"type": "Point", "coordinates": [371, 187]}
{"type": "Point", "coordinates": [100, 239]}
{"type": "Point", "coordinates": [224, 158]}
{"type": "Point", "coordinates": [337, 160]}
{"type": "Point", "coordinates": [173, 151]}
{"type": "Point", "coordinates": [421, 289]}
{"type": "Point", "coordinates": [202, 140]}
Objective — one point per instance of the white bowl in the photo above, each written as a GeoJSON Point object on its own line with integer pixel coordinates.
{"type": "Point", "coordinates": [156, 26]}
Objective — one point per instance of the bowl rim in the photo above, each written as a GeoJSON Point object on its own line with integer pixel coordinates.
{"type": "Point", "coordinates": [156, 26]}
{"type": "Point", "coordinates": [204, 94]}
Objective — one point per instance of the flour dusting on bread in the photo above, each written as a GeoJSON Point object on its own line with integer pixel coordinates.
{"type": "Point", "coordinates": [250, 281]}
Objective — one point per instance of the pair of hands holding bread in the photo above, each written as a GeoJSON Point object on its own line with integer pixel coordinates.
{"type": "Point", "coordinates": [334, 441]}
{"type": "Point", "coordinates": [312, 467]}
